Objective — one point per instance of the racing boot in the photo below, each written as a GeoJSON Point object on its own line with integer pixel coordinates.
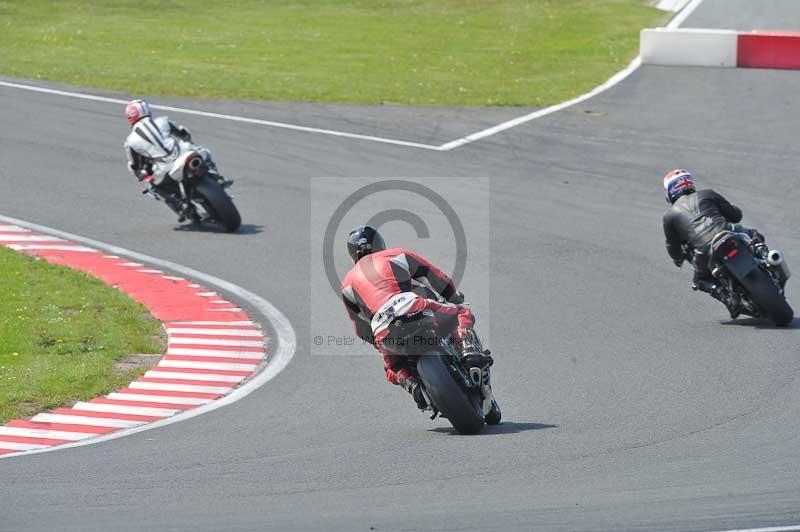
{"type": "Point", "coordinates": [214, 173]}
{"type": "Point", "coordinates": [473, 355]}
{"type": "Point", "coordinates": [223, 181]}
{"type": "Point", "coordinates": [727, 298]}
{"type": "Point", "coordinates": [416, 394]}
{"type": "Point", "coordinates": [733, 303]}
{"type": "Point", "coordinates": [179, 207]}
{"type": "Point", "coordinates": [411, 385]}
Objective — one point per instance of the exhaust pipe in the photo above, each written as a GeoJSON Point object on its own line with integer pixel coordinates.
{"type": "Point", "coordinates": [195, 162]}
{"type": "Point", "coordinates": [776, 260]}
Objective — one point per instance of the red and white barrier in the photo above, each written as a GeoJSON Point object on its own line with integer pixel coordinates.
{"type": "Point", "coordinates": [720, 48]}
{"type": "Point", "coordinates": [762, 49]}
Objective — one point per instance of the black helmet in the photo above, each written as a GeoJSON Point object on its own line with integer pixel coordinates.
{"type": "Point", "coordinates": [364, 240]}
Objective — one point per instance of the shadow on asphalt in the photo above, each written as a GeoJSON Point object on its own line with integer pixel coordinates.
{"type": "Point", "coordinates": [244, 229]}
{"type": "Point", "coordinates": [506, 427]}
{"type": "Point", "coordinates": [760, 323]}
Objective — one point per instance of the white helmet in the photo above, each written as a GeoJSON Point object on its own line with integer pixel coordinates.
{"type": "Point", "coordinates": [678, 183]}
{"type": "Point", "coordinates": [136, 110]}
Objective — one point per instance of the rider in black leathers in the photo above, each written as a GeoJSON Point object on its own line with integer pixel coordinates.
{"type": "Point", "coordinates": [693, 219]}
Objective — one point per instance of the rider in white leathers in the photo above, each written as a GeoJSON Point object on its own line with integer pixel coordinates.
{"type": "Point", "coordinates": [152, 147]}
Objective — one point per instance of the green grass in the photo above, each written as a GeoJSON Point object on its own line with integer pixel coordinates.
{"type": "Point", "coordinates": [61, 333]}
{"type": "Point", "coordinates": [473, 52]}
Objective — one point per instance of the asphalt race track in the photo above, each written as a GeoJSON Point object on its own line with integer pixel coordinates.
{"type": "Point", "coordinates": [630, 402]}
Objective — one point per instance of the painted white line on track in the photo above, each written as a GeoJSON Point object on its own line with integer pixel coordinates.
{"type": "Point", "coordinates": [617, 78]}
{"type": "Point", "coordinates": [14, 446]}
{"type": "Point", "coordinates": [161, 386]}
{"type": "Point", "coordinates": [190, 364]}
{"type": "Point", "coordinates": [13, 229]}
{"type": "Point", "coordinates": [613, 81]}
{"type": "Point", "coordinates": [29, 238]}
{"type": "Point", "coordinates": [189, 351]}
{"type": "Point", "coordinates": [790, 528]}
{"type": "Point", "coordinates": [283, 344]}
{"type": "Point", "coordinates": [84, 420]}
{"type": "Point", "coordinates": [221, 323]}
{"type": "Point", "coordinates": [215, 332]}
{"type": "Point", "coordinates": [672, 5]}
{"type": "Point", "coordinates": [221, 116]}
{"type": "Point", "coordinates": [33, 247]}
{"type": "Point", "coordinates": [233, 379]}
{"type": "Point", "coordinates": [166, 399]}
{"type": "Point", "coordinates": [685, 13]}
{"type": "Point", "coordinates": [122, 409]}
{"type": "Point", "coordinates": [44, 433]}
{"type": "Point", "coordinates": [211, 341]}
{"type": "Point", "coordinates": [675, 22]}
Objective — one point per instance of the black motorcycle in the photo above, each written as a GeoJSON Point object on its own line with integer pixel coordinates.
{"type": "Point", "coordinates": [461, 394]}
{"type": "Point", "coordinates": [196, 194]}
{"type": "Point", "coordinates": [754, 276]}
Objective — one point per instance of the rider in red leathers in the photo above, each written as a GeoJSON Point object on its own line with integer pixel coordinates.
{"type": "Point", "coordinates": [385, 284]}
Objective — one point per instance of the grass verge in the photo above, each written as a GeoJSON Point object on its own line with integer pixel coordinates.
{"type": "Point", "coordinates": [467, 52]}
{"type": "Point", "coordinates": [62, 334]}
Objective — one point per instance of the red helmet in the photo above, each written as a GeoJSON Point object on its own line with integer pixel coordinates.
{"type": "Point", "coordinates": [677, 183]}
{"type": "Point", "coordinates": [136, 110]}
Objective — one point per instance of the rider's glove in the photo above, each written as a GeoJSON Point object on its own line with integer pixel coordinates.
{"type": "Point", "coordinates": [457, 298]}
{"type": "Point", "coordinates": [401, 377]}
{"type": "Point", "coordinates": [404, 378]}
{"type": "Point", "coordinates": [409, 384]}
{"type": "Point", "coordinates": [756, 236]}
{"type": "Point", "coordinates": [185, 134]}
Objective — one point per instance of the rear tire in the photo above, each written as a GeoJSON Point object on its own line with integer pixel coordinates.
{"type": "Point", "coordinates": [224, 211]}
{"type": "Point", "coordinates": [766, 296]}
{"type": "Point", "coordinates": [448, 397]}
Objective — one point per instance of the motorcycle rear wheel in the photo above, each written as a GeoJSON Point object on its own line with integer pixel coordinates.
{"type": "Point", "coordinates": [768, 298]}
{"type": "Point", "coordinates": [450, 399]}
{"type": "Point", "coordinates": [224, 211]}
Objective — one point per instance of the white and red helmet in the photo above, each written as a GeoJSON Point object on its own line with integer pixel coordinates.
{"type": "Point", "coordinates": [677, 183]}
{"type": "Point", "coordinates": [136, 110]}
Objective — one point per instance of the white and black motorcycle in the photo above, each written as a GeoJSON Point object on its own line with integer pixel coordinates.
{"type": "Point", "coordinates": [181, 173]}
{"type": "Point", "coordinates": [193, 192]}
